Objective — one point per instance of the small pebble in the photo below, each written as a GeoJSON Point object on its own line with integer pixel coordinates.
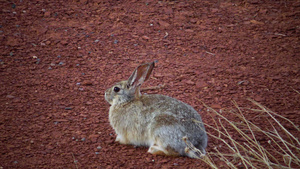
{"type": "Point", "coordinates": [10, 96]}
{"type": "Point", "coordinates": [240, 82]}
{"type": "Point", "coordinates": [78, 83]}
{"type": "Point", "coordinates": [83, 139]}
{"type": "Point", "coordinates": [99, 147]}
{"type": "Point", "coordinates": [68, 108]}
{"type": "Point", "coordinates": [116, 41]}
{"type": "Point", "coordinates": [73, 138]}
{"type": "Point", "coordinates": [50, 68]}
{"type": "Point", "coordinates": [38, 61]}
{"type": "Point", "coordinates": [15, 162]}
{"type": "Point", "coordinates": [61, 63]}
{"type": "Point", "coordinates": [97, 40]}
{"type": "Point", "coordinates": [97, 153]}
{"type": "Point", "coordinates": [55, 122]}
{"type": "Point", "coordinates": [11, 53]}
{"type": "Point", "coordinates": [77, 64]}
{"type": "Point", "coordinates": [59, 56]}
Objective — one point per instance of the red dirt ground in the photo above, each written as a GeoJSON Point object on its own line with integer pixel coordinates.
{"type": "Point", "coordinates": [57, 59]}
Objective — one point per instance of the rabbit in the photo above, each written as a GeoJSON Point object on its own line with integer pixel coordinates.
{"type": "Point", "coordinates": [162, 123]}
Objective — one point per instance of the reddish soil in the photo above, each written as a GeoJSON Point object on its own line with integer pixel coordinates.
{"type": "Point", "coordinates": [57, 59]}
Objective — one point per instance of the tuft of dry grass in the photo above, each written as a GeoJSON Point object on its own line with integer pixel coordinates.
{"type": "Point", "coordinates": [240, 143]}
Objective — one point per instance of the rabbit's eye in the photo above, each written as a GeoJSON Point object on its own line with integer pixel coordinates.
{"type": "Point", "coordinates": [116, 89]}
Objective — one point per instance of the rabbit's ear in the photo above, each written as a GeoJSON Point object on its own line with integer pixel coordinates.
{"type": "Point", "coordinates": [149, 71]}
{"type": "Point", "coordinates": [140, 74]}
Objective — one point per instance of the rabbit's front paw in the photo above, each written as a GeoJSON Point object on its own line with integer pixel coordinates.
{"type": "Point", "coordinates": [121, 139]}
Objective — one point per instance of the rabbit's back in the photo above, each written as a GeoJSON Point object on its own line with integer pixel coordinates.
{"type": "Point", "coordinates": [168, 107]}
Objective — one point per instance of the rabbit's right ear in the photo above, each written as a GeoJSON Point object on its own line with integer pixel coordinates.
{"type": "Point", "coordinates": [140, 74]}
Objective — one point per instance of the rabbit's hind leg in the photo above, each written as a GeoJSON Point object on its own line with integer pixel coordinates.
{"type": "Point", "coordinates": [159, 150]}
{"type": "Point", "coordinates": [154, 149]}
{"type": "Point", "coordinates": [192, 151]}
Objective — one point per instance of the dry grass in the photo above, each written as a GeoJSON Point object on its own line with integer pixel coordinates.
{"type": "Point", "coordinates": [244, 144]}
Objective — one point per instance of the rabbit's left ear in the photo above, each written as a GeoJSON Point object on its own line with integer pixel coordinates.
{"type": "Point", "coordinates": [140, 74]}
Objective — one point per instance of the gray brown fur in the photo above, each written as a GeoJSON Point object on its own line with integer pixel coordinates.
{"type": "Point", "coordinates": [157, 121]}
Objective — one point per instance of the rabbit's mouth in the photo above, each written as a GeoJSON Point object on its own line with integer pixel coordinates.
{"type": "Point", "coordinates": [107, 98]}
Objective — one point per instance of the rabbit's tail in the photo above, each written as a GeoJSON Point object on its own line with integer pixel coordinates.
{"type": "Point", "coordinates": [191, 150]}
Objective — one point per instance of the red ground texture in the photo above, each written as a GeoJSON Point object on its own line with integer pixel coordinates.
{"type": "Point", "coordinates": [58, 57]}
